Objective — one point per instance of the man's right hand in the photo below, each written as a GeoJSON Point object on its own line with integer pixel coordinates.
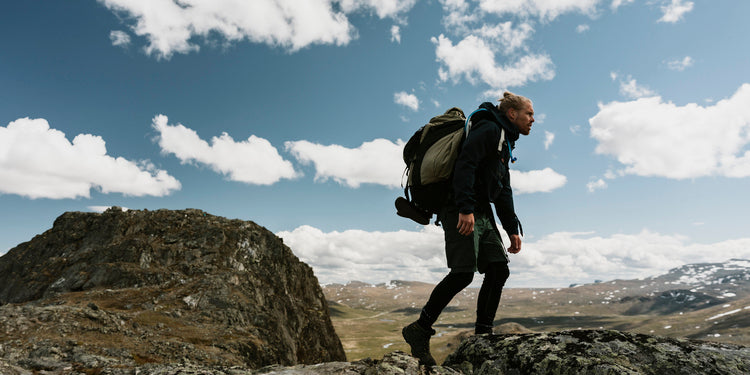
{"type": "Point", "coordinates": [465, 224]}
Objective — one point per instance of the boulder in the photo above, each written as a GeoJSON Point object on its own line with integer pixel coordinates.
{"type": "Point", "coordinates": [596, 352]}
{"type": "Point", "coordinates": [137, 287]}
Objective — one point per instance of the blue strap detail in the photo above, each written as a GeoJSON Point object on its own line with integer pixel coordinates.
{"type": "Point", "coordinates": [510, 151]}
{"type": "Point", "coordinates": [466, 126]}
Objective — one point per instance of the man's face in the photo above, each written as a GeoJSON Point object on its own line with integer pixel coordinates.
{"type": "Point", "coordinates": [522, 118]}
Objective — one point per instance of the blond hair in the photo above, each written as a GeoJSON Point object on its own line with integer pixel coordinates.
{"type": "Point", "coordinates": [511, 100]}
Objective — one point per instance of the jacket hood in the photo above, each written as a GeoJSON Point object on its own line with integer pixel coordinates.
{"type": "Point", "coordinates": [511, 131]}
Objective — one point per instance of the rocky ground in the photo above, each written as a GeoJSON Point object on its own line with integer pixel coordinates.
{"type": "Point", "coordinates": [584, 352]}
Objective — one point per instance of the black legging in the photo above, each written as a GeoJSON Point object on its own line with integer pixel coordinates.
{"type": "Point", "coordinates": [487, 302]}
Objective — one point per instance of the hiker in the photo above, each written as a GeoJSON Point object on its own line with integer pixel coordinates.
{"type": "Point", "coordinates": [472, 239]}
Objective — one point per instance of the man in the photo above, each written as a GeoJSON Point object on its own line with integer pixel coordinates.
{"type": "Point", "coordinates": [472, 240]}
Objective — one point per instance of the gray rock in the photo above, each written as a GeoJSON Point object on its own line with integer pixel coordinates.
{"type": "Point", "coordinates": [596, 352]}
{"type": "Point", "coordinates": [162, 287]}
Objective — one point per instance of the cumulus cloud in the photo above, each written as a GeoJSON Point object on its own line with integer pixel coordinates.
{"type": "Point", "coordinates": [536, 181]}
{"type": "Point", "coordinates": [370, 256]}
{"type": "Point", "coordinates": [474, 59]}
{"type": "Point", "coordinates": [618, 3]}
{"type": "Point", "coordinates": [631, 89]}
{"type": "Point", "coordinates": [582, 28]}
{"type": "Point", "coordinates": [650, 137]}
{"type": "Point", "coordinates": [383, 8]}
{"type": "Point", "coordinates": [252, 161]}
{"type": "Point", "coordinates": [675, 10]}
{"type": "Point", "coordinates": [406, 100]}
{"type": "Point", "coordinates": [558, 259]}
{"type": "Point", "coordinates": [37, 161]}
{"type": "Point", "coordinates": [119, 38]}
{"type": "Point", "coordinates": [376, 162]}
{"type": "Point", "coordinates": [504, 35]}
{"type": "Point", "coordinates": [680, 64]}
{"type": "Point", "coordinates": [593, 186]}
{"type": "Point", "coordinates": [458, 15]}
{"type": "Point", "coordinates": [396, 34]}
{"type": "Point", "coordinates": [549, 137]}
{"type": "Point", "coordinates": [544, 9]}
{"type": "Point", "coordinates": [173, 26]}
{"type": "Point", "coordinates": [563, 258]}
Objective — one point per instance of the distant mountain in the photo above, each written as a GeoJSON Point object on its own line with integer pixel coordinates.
{"type": "Point", "coordinates": [730, 277]}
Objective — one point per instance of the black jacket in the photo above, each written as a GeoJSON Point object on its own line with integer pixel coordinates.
{"type": "Point", "coordinates": [481, 173]}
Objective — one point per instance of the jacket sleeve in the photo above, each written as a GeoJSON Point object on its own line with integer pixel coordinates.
{"type": "Point", "coordinates": [504, 207]}
{"type": "Point", "coordinates": [478, 143]}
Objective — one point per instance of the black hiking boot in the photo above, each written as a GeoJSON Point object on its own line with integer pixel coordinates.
{"type": "Point", "coordinates": [481, 329]}
{"type": "Point", "coordinates": [406, 209]}
{"type": "Point", "coordinates": [418, 339]}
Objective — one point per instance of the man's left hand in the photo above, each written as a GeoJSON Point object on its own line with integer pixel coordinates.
{"type": "Point", "coordinates": [515, 244]}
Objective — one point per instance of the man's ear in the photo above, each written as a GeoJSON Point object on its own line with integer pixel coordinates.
{"type": "Point", "coordinates": [511, 114]}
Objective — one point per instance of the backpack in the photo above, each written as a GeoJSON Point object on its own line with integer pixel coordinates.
{"type": "Point", "coordinates": [430, 156]}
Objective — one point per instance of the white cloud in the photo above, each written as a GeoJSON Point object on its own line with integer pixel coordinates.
{"type": "Point", "coordinates": [119, 38]}
{"type": "Point", "coordinates": [596, 185]}
{"type": "Point", "coordinates": [549, 137]}
{"type": "Point", "coordinates": [618, 3]}
{"type": "Point", "coordinates": [575, 129]}
{"type": "Point", "coordinates": [407, 100]}
{"type": "Point", "coordinates": [457, 15]}
{"type": "Point", "coordinates": [558, 259]}
{"type": "Point", "coordinates": [37, 161]}
{"type": "Point", "coordinates": [472, 59]}
{"type": "Point", "coordinates": [631, 89]}
{"type": "Point", "coordinates": [396, 34]}
{"type": "Point", "coordinates": [370, 256]}
{"type": "Point", "coordinates": [675, 10]}
{"type": "Point", "coordinates": [582, 28]}
{"type": "Point", "coordinates": [546, 10]}
{"type": "Point", "coordinates": [376, 162]}
{"type": "Point", "coordinates": [563, 258]}
{"type": "Point", "coordinates": [653, 138]}
{"type": "Point", "coordinates": [536, 181]}
{"type": "Point", "coordinates": [383, 8]}
{"type": "Point", "coordinates": [173, 26]}
{"type": "Point", "coordinates": [505, 35]}
{"type": "Point", "coordinates": [680, 65]}
{"type": "Point", "coordinates": [252, 161]}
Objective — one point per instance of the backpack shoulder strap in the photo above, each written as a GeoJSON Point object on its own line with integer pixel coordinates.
{"type": "Point", "coordinates": [467, 126]}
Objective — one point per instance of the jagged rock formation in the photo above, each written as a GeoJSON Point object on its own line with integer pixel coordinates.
{"type": "Point", "coordinates": [124, 289]}
{"type": "Point", "coordinates": [596, 352]}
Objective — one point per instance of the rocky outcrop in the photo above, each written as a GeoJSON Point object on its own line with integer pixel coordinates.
{"type": "Point", "coordinates": [596, 352]}
{"type": "Point", "coordinates": [568, 352]}
{"type": "Point", "coordinates": [129, 288]}
{"type": "Point", "coordinates": [395, 363]}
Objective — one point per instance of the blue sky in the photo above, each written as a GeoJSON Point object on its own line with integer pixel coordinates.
{"type": "Point", "coordinates": [293, 115]}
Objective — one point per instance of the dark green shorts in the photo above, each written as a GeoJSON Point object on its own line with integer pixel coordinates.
{"type": "Point", "coordinates": [474, 252]}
